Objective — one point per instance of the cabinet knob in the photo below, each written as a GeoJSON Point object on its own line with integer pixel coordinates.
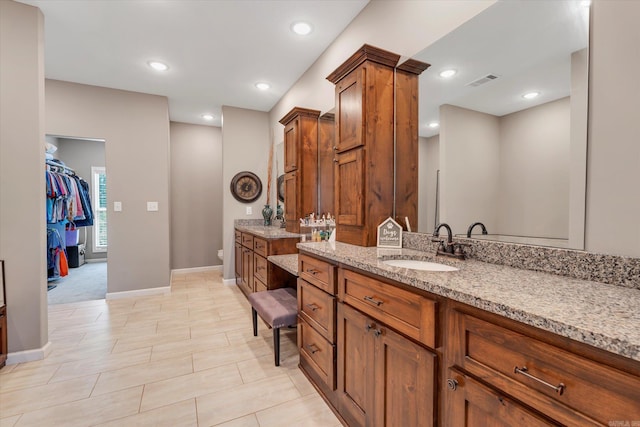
{"type": "Point", "coordinates": [335, 147]}
{"type": "Point", "coordinates": [452, 384]}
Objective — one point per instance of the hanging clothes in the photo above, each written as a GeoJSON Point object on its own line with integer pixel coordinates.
{"type": "Point", "coordinates": [68, 198]}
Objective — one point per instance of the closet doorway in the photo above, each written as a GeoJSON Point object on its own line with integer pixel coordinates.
{"type": "Point", "coordinates": [76, 234]}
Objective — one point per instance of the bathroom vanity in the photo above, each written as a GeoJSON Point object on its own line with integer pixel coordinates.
{"type": "Point", "coordinates": [485, 345]}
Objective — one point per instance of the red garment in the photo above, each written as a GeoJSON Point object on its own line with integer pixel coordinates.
{"type": "Point", "coordinates": [64, 266]}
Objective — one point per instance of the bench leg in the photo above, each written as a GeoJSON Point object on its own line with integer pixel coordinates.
{"type": "Point", "coordinates": [254, 315]}
{"type": "Point", "coordinates": [276, 345]}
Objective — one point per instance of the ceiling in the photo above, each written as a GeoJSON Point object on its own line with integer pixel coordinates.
{"type": "Point", "coordinates": [216, 49]}
{"type": "Point", "coordinates": [527, 44]}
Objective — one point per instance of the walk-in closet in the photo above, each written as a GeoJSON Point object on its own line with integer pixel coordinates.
{"type": "Point", "coordinates": [76, 201]}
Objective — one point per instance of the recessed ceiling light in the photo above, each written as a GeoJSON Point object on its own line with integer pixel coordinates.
{"type": "Point", "coordinates": [301, 28]}
{"type": "Point", "coordinates": [263, 86]}
{"type": "Point", "coordinates": [445, 74]}
{"type": "Point", "coordinates": [158, 66]}
{"type": "Point", "coordinates": [207, 117]}
{"type": "Point", "coordinates": [530, 95]}
{"type": "Point", "coordinates": [433, 125]}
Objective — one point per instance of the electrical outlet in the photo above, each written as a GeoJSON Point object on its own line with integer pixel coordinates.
{"type": "Point", "coordinates": [152, 206]}
{"type": "Point", "coordinates": [249, 210]}
{"type": "Point", "coordinates": [117, 206]}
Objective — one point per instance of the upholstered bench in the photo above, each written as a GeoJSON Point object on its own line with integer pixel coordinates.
{"type": "Point", "coordinates": [278, 308]}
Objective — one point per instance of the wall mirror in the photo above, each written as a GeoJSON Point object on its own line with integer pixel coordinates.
{"type": "Point", "coordinates": [517, 164]}
{"type": "Point", "coordinates": [2, 291]}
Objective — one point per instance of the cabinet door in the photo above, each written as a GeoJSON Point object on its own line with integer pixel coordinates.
{"type": "Point", "coordinates": [291, 201]}
{"type": "Point", "coordinates": [350, 111]}
{"type": "Point", "coordinates": [355, 366]}
{"type": "Point", "coordinates": [404, 386]}
{"type": "Point", "coordinates": [291, 145]}
{"type": "Point", "coordinates": [247, 270]}
{"type": "Point", "coordinates": [349, 187]}
{"type": "Point", "coordinates": [238, 263]}
{"type": "Point", "coordinates": [470, 404]}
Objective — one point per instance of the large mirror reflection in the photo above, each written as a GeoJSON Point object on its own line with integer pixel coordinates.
{"type": "Point", "coordinates": [509, 147]}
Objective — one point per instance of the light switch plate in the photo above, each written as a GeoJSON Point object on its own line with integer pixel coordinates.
{"type": "Point", "coordinates": [117, 206]}
{"type": "Point", "coordinates": [152, 206]}
{"type": "Point", "coordinates": [249, 210]}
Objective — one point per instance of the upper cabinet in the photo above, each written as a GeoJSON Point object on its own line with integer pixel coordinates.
{"type": "Point", "coordinates": [300, 165]}
{"type": "Point", "coordinates": [374, 101]}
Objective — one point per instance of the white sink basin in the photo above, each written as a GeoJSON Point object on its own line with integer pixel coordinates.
{"type": "Point", "coordinates": [419, 265]}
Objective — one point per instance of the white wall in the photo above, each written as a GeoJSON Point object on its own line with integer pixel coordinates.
{"type": "Point", "coordinates": [136, 129]}
{"type": "Point", "coordinates": [613, 170]}
{"type": "Point", "coordinates": [429, 157]}
{"type": "Point", "coordinates": [469, 168]}
{"type": "Point", "coordinates": [196, 192]}
{"type": "Point", "coordinates": [22, 189]}
{"type": "Point", "coordinates": [533, 189]}
{"type": "Point", "coordinates": [245, 147]}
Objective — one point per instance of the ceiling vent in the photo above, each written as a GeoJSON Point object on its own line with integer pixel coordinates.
{"type": "Point", "coordinates": [482, 80]}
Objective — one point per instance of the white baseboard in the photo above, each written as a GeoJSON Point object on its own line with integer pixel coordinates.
{"type": "Point", "coordinates": [91, 260]}
{"type": "Point", "coordinates": [229, 281]}
{"type": "Point", "coordinates": [29, 355]}
{"type": "Point", "coordinates": [197, 269]}
{"type": "Point", "coordinates": [164, 290]}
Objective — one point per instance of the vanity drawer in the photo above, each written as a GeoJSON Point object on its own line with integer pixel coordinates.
{"type": "Point", "coordinates": [317, 272]}
{"type": "Point", "coordinates": [407, 312]}
{"type": "Point", "coordinates": [569, 387]}
{"type": "Point", "coordinates": [318, 308]}
{"type": "Point", "coordinates": [247, 240]}
{"type": "Point", "coordinates": [238, 236]}
{"type": "Point", "coordinates": [317, 354]}
{"type": "Point", "coordinates": [260, 268]}
{"type": "Point", "coordinates": [260, 246]}
{"type": "Point", "coordinates": [259, 285]}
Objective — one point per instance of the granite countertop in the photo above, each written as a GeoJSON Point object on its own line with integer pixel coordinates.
{"type": "Point", "coordinates": [602, 315]}
{"type": "Point", "coordinates": [270, 232]}
{"type": "Point", "coordinates": [287, 262]}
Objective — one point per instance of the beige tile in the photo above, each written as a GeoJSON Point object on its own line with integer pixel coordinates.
{"type": "Point", "coordinates": [11, 421]}
{"type": "Point", "coordinates": [87, 411]}
{"type": "Point", "coordinates": [188, 386]}
{"type": "Point", "coordinates": [218, 326]}
{"type": "Point", "coordinates": [246, 421]}
{"type": "Point", "coordinates": [24, 378]}
{"type": "Point", "coordinates": [307, 411]}
{"type": "Point", "coordinates": [301, 382]}
{"type": "Point", "coordinates": [231, 354]}
{"type": "Point", "coordinates": [34, 398]}
{"type": "Point", "coordinates": [142, 374]}
{"type": "Point", "coordinates": [264, 367]}
{"type": "Point", "coordinates": [181, 414]}
{"type": "Point", "coordinates": [7, 368]}
{"type": "Point", "coordinates": [193, 345]}
{"type": "Point", "coordinates": [101, 363]}
{"type": "Point", "coordinates": [131, 343]}
{"type": "Point", "coordinates": [245, 399]}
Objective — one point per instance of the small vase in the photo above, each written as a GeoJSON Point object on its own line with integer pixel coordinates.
{"type": "Point", "coordinates": [267, 212]}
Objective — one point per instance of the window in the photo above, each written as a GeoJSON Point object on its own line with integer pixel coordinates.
{"type": "Point", "coordinates": [99, 200]}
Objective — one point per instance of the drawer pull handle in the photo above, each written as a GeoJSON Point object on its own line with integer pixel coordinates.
{"type": "Point", "coordinates": [372, 300]}
{"type": "Point", "coordinates": [524, 371]}
{"type": "Point", "coordinates": [377, 332]}
{"type": "Point", "coordinates": [452, 384]}
{"type": "Point", "coordinates": [312, 348]}
{"type": "Point", "coordinates": [312, 306]}
{"type": "Point", "coordinates": [368, 327]}
{"type": "Point", "coordinates": [313, 271]}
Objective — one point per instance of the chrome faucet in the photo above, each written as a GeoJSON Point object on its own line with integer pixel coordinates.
{"type": "Point", "coordinates": [470, 229]}
{"type": "Point", "coordinates": [449, 249]}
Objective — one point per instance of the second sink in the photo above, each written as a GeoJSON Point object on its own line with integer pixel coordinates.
{"type": "Point", "coordinates": [419, 265]}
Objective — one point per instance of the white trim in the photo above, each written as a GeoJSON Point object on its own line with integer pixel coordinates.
{"type": "Point", "coordinates": [88, 260]}
{"type": "Point", "coordinates": [164, 290]}
{"type": "Point", "coordinates": [29, 355]}
{"type": "Point", "coordinates": [197, 269]}
{"type": "Point", "coordinates": [229, 281]}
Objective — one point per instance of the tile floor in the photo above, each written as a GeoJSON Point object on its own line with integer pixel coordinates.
{"type": "Point", "coordinates": [184, 359]}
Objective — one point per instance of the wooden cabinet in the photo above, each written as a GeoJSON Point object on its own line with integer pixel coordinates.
{"type": "Point", "coordinates": [3, 336]}
{"type": "Point", "coordinates": [300, 165]}
{"type": "Point", "coordinates": [384, 379]}
{"type": "Point", "coordinates": [254, 272]}
{"type": "Point", "coordinates": [326, 141]}
{"type": "Point", "coordinates": [370, 107]}
{"type": "Point", "coordinates": [568, 387]}
{"type": "Point", "coordinates": [316, 326]}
